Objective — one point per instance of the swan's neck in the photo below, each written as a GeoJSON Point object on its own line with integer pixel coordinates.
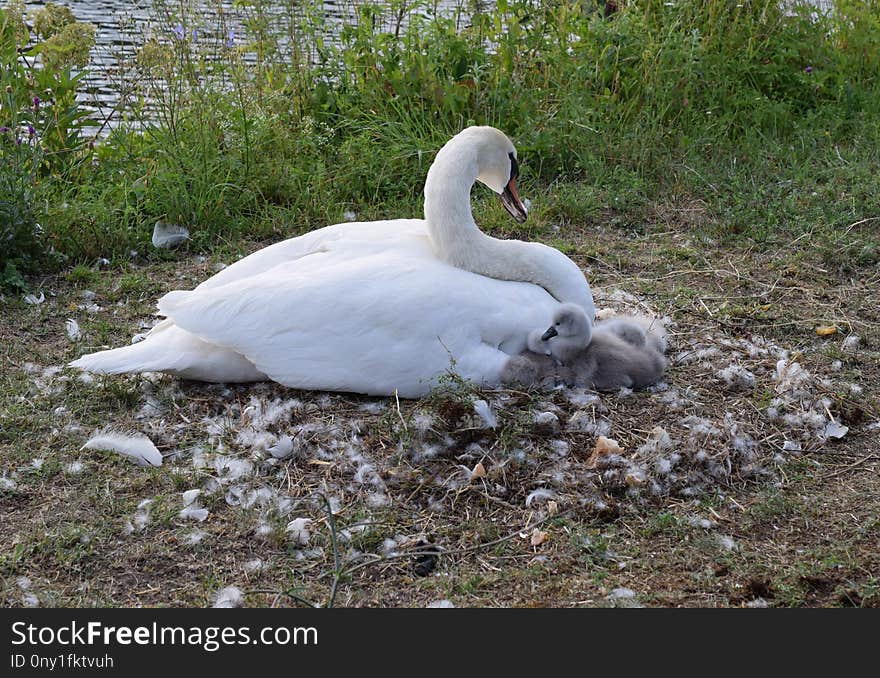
{"type": "Point", "coordinates": [451, 224]}
{"type": "Point", "coordinates": [457, 240]}
{"type": "Point", "coordinates": [533, 262]}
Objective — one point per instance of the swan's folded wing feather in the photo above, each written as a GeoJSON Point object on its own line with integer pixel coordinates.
{"type": "Point", "coordinates": [365, 320]}
{"type": "Point", "coordinates": [330, 322]}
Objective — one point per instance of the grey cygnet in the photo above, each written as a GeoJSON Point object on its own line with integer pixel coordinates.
{"type": "Point", "coordinates": [621, 352]}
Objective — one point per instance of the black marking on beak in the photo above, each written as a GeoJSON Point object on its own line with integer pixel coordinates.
{"type": "Point", "coordinates": [510, 198]}
{"type": "Point", "coordinates": [549, 334]}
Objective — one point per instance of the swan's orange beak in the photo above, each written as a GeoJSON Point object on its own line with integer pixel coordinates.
{"type": "Point", "coordinates": [510, 200]}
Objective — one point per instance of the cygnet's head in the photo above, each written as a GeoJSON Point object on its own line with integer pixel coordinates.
{"type": "Point", "coordinates": [570, 322]}
{"type": "Point", "coordinates": [497, 166]}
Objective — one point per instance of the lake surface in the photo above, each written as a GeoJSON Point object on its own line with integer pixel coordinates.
{"type": "Point", "coordinates": [120, 30]}
{"type": "Point", "coordinates": [122, 27]}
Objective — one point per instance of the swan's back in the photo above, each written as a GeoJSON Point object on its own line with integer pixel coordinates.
{"type": "Point", "coordinates": [371, 316]}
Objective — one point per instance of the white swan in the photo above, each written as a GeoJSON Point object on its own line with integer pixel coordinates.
{"type": "Point", "coordinates": [374, 307]}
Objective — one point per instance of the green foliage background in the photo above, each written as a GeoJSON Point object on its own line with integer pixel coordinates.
{"type": "Point", "coordinates": [768, 114]}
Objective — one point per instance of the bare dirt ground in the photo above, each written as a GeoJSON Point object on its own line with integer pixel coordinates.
{"type": "Point", "coordinates": [731, 487]}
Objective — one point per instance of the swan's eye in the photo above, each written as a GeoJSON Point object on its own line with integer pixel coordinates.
{"type": "Point", "coordinates": [514, 166]}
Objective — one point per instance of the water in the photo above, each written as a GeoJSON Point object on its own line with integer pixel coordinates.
{"type": "Point", "coordinates": [120, 28]}
{"type": "Point", "coordinates": [123, 27]}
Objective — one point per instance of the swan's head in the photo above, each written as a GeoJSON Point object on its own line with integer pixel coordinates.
{"type": "Point", "coordinates": [497, 166]}
{"type": "Point", "coordinates": [570, 321]}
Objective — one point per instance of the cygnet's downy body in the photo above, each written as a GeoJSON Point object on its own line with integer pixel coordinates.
{"type": "Point", "coordinates": [532, 370]}
{"type": "Point", "coordinates": [540, 365]}
{"type": "Point", "coordinates": [638, 331]}
{"type": "Point", "coordinates": [624, 352]}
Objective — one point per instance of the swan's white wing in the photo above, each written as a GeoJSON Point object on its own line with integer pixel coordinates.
{"type": "Point", "coordinates": [370, 317]}
{"type": "Point", "coordinates": [168, 348]}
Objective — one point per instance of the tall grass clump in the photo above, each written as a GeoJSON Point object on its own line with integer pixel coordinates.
{"type": "Point", "coordinates": [267, 119]}
{"type": "Point", "coordinates": [40, 125]}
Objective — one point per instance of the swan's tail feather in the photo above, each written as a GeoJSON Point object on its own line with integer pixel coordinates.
{"type": "Point", "coordinates": [175, 351]}
{"type": "Point", "coordinates": [120, 360]}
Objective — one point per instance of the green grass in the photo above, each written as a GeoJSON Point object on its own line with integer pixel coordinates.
{"type": "Point", "coordinates": [806, 536]}
{"type": "Point", "coordinates": [768, 120]}
{"type": "Point", "coordinates": [83, 275]}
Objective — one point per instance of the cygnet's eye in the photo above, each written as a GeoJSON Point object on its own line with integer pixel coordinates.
{"type": "Point", "coordinates": [558, 324]}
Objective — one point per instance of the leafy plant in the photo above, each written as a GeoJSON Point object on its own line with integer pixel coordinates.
{"type": "Point", "coordinates": [40, 124]}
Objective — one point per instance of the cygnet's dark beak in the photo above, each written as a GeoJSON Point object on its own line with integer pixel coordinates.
{"type": "Point", "coordinates": [510, 200]}
{"type": "Point", "coordinates": [549, 334]}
